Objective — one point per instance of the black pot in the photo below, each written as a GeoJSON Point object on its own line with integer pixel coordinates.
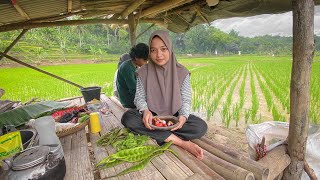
{"type": "Point", "coordinates": [44, 162]}
{"type": "Point", "coordinates": [90, 93]}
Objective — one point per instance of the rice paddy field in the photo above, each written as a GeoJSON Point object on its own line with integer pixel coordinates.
{"type": "Point", "coordinates": [234, 91]}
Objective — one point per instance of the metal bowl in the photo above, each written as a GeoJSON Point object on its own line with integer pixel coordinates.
{"type": "Point", "coordinates": [174, 119]}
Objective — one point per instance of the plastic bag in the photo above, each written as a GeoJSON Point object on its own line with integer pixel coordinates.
{"type": "Point", "coordinates": [275, 133]}
{"type": "Point", "coordinates": [312, 153]}
{"type": "Point", "coordinates": [10, 144]}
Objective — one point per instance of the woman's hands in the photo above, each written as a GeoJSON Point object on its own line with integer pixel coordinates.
{"type": "Point", "coordinates": [147, 119]}
{"type": "Point", "coordinates": [182, 120]}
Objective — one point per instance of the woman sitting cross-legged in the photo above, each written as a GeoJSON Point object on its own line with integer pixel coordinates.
{"type": "Point", "coordinates": [163, 88]}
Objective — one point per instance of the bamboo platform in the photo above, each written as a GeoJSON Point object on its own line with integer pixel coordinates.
{"type": "Point", "coordinates": [81, 154]}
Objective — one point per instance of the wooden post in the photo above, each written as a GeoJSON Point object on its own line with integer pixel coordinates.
{"type": "Point", "coordinates": [303, 50]}
{"type": "Point", "coordinates": [14, 42]}
{"type": "Point", "coordinates": [276, 160]}
{"type": "Point", "coordinates": [132, 29]}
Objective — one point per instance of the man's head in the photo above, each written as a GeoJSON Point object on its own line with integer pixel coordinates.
{"type": "Point", "coordinates": [139, 54]}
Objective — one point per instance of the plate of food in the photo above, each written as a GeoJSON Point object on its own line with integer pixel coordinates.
{"type": "Point", "coordinates": [164, 122]}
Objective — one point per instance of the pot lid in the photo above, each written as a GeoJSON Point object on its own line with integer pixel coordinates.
{"type": "Point", "coordinates": [30, 157]}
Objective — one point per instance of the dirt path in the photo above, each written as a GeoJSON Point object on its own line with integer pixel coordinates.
{"type": "Point", "coordinates": [263, 107]}
{"type": "Point", "coordinates": [217, 117]}
{"type": "Point", "coordinates": [276, 102]}
{"type": "Point", "coordinates": [247, 99]}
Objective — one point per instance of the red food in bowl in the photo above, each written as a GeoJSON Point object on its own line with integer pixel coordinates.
{"type": "Point", "coordinates": [164, 122]}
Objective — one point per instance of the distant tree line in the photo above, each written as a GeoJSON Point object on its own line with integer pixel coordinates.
{"type": "Point", "coordinates": [110, 39]}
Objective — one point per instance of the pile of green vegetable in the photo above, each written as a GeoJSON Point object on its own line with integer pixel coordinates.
{"type": "Point", "coordinates": [130, 148]}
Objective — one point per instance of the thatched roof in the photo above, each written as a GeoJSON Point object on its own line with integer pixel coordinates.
{"type": "Point", "coordinates": [176, 15]}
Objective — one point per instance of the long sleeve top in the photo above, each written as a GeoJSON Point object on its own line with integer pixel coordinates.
{"type": "Point", "coordinates": [140, 99]}
{"type": "Point", "coordinates": [126, 84]}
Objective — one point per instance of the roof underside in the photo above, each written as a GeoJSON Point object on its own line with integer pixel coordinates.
{"type": "Point", "coordinates": [176, 15]}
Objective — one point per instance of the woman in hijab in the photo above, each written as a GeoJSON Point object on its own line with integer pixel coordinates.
{"type": "Point", "coordinates": [163, 88]}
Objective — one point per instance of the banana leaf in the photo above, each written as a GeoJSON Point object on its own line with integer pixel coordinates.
{"type": "Point", "coordinates": [21, 115]}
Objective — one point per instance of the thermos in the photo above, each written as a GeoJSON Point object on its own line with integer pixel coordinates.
{"type": "Point", "coordinates": [95, 122]}
{"type": "Point", "coordinates": [45, 127]}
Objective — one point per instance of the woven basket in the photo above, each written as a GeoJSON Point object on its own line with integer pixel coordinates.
{"type": "Point", "coordinates": [73, 129]}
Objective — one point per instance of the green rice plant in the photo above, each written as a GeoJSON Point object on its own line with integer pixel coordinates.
{"type": "Point", "coordinates": [247, 115]}
{"type": "Point", "coordinates": [236, 113]}
{"type": "Point", "coordinates": [276, 78]}
{"type": "Point", "coordinates": [209, 112]}
{"type": "Point", "coordinates": [228, 119]}
{"type": "Point", "coordinates": [277, 116]}
{"type": "Point", "coordinates": [23, 84]}
{"type": "Point", "coordinates": [255, 100]}
{"type": "Point", "coordinates": [241, 90]}
{"type": "Point", "coordinates": [265, 91]}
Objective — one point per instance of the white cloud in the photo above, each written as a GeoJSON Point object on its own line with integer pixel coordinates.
{"type": "Point", "coordinates": [274, 24]}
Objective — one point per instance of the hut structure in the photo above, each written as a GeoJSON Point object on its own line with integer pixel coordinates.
{"type": "Point", "coordinates": [179, 16]}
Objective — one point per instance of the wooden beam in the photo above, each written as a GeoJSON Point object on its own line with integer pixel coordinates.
{"type": "Point", "coordinates": [183, 18]}
{"type": "Point", "coordinates": [54, 18]}
{"type": "Point", "coordinates": [21, 11]}
{"type": "Point", "coordinates": [152, 20]}
{"type": "Point", "coordinates": [212, 2]}
{"type": "Point", "coordinates": [190, 6]}
{"type": "Point", "coordinates": [199, 11]}
{"type": "Point", "coordinates": [69, 6]}
{"type": "Point", "coordinates": [131, 8]}
{"type": "Point", "coordinates": [115, 16]}
{"type": "Point", "coordinates": [164, 6]}
{"type": "Point", "coordinates": [303, 52]}
{"type": "Point", "coordinates": [11, 27]}
{"type": "Point", "coordinates": [132, 29]}
{"type": "Point", "coordinates": [40, 70]}
{"type": "Point", "coordinates": [14, 42]}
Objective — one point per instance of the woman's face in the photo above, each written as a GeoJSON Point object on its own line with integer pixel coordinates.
{"type": "Point", "coordinates": [159, 53]}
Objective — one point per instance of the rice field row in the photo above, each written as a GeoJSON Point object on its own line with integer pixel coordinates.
{"type": "Point", "coordinates": [233, 90]}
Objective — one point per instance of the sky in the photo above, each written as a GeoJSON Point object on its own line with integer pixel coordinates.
{"type": "Point", "coordinates": [274, 24]}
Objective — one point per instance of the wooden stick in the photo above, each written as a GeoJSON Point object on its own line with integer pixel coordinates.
{"type": "Point", "coordinates": [161, 7]}
{"type": "Point", "coordinates": [276, 160]}
{"type": "Point", "coordinates": [194, 164]}
{"type": "Point", "coordinates": [57, 17]}
{"type": "Point", "coordinates": [30, 25]}
{"type": "Point", "coordinates": [260, 172]}
{"type": "Point", "coordinates": [131, 8]}
{"type": "Point", "coordinates": [226, 169]}
{"type": "Point", "coordinates": [115, 16]}
{"type": "Point", "coordinates": [15, 26]}
{"type": "Point", "coordinates": [145, 30]}
{"type": "Point", "coordinates": [309, 171]}
{"type": "Point", "coordinates": [69, 6]}
{"type": "Point", "coordinates": [40, 70]}
{"type": "Point", "coordinates": [199, 11]}
{"type": "Point", "coordinates": [14, 42]}
{"type": "Point", "coordinates": [21, 11]}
